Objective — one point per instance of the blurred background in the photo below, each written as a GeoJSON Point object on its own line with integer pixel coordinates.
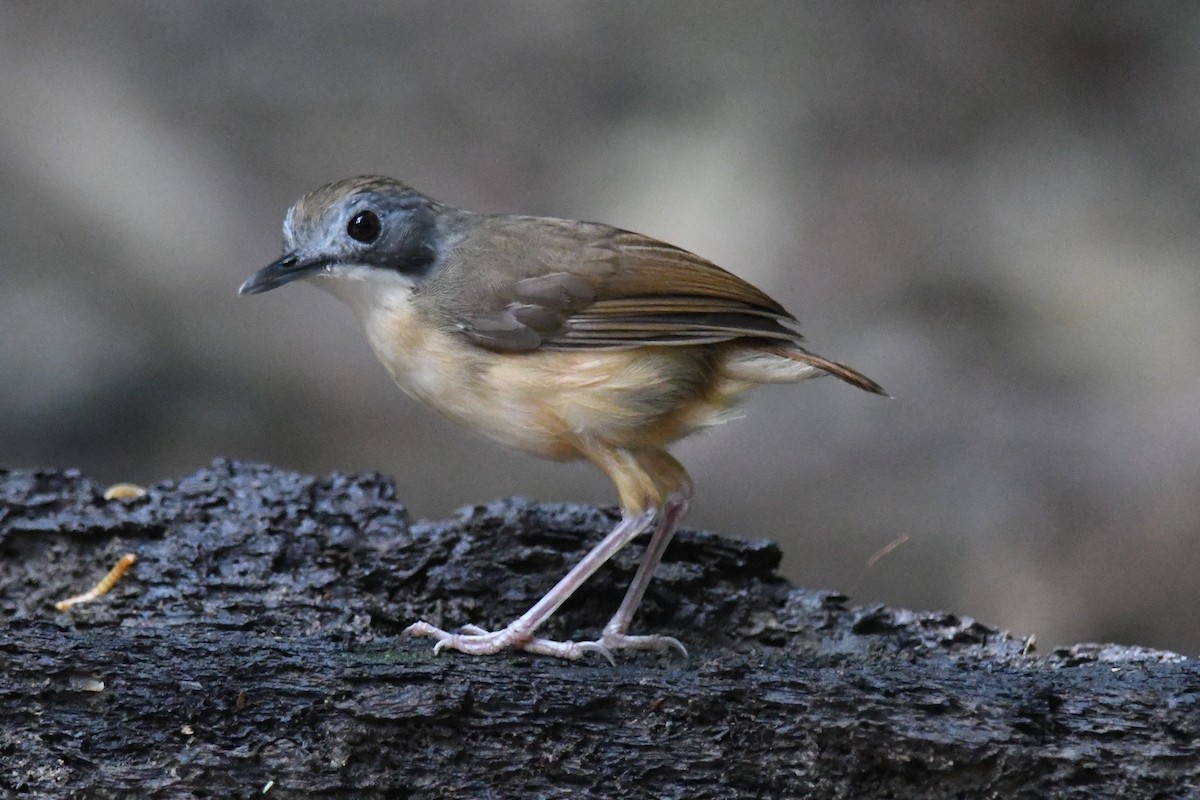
{"type": "Point", "coordinates": [991, 209]}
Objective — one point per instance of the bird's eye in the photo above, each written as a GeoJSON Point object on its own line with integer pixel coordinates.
{"type": "Point", "coordinates": [364, 227]}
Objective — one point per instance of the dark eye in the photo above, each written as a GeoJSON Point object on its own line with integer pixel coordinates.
{"type": "Point", "coordinates": [364, 227]}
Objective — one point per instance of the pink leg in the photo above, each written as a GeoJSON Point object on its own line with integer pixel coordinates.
{"type": "Point", "coordinates": [616, 636]}
{"type": "Point", "coordinates": [519, 633]}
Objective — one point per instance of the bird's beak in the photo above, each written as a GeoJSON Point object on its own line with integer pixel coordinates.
{"type": "Point", "coordinates": [289, 267]}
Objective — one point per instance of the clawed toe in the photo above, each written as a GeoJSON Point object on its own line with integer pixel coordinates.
{"type": "Point", "coordinates": [653, 643]}
{"type": "Point", "coordinates": [474, 640]}
{"type": "Point", "coordinates": [599, 649]}
{"type": "Point", "coordinates": [611, 641]}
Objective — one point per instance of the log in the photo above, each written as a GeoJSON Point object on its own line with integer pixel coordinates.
{"type": "Point", "coordinates": [254, 649]}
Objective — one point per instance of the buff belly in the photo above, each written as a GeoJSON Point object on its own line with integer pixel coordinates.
{"type": "Point", "coordinates": [555, 404]}
{"type": "Point", "coordinates": [561, 404]}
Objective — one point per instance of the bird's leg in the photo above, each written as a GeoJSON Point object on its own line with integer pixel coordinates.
{"type": "Point", "coordinates": [616, 636]}
{"type": "Point", "coordinates": [647, 480]}
{"type": "Point", "coordinates": [675, 505]}
{"type": "Point", "coordinates": [519, 633]}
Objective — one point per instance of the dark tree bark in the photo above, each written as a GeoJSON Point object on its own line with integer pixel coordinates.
{"type": "Point", "coordinates": [255, 646]}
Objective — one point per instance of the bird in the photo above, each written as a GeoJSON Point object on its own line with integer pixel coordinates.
{"type": "Point", "coordinates": [563, 339]}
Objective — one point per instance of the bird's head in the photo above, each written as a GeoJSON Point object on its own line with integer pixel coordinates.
{"type": "Point", "coordinates": [360, 229]}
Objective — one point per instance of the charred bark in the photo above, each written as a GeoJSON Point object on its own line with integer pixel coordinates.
{"type": "Point", "coordinates": [255, 647]}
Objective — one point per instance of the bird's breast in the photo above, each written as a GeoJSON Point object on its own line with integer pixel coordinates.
{"type": "Point", "coordinates": [547, 403]}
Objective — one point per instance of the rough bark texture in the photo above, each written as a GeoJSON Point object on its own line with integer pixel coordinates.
{"type": "Point", "coordinates": [255, 646]}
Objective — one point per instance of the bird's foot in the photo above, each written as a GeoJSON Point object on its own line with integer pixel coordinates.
{"type": "Point", "coordinates": [476, 641]}
{"type": "Point", "coordinates": [615, 640]}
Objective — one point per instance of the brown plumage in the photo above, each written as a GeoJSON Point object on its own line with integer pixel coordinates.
{"type": "Point", "coordinates": [561, 338]}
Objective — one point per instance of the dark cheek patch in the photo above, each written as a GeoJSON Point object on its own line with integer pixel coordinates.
{"type": "Point", "coordinates": [411, 250]}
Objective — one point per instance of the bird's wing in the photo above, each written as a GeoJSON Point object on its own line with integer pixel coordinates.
{"type": "Point", "coordinates": [556, 284]}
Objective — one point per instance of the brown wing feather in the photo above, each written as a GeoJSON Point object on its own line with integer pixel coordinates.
{"type": "Point", "coordinates": [647, 265]}
{"type": "Point", "coordinates": [549, 283]}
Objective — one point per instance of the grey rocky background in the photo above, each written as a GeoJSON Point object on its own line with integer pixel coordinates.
{"type": "Point", "coordinates": [990, 208]}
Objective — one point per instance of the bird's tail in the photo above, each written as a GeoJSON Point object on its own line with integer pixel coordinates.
{"type": "Point", "coordinates": [849, 375]}
{"type": "Point", "coordinates": [788, 363]}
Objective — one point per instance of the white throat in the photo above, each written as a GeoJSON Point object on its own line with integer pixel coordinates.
{"type": "Point", "coordinates": [367, 290]}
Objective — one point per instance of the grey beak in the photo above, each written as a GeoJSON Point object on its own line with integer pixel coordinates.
{"type": "Point", "coordinates": [289, 267]}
